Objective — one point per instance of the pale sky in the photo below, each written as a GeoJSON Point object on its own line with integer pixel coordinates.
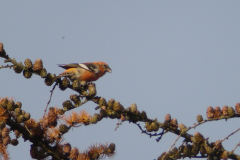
{"type": "Point", "coordinates": [176, 57]}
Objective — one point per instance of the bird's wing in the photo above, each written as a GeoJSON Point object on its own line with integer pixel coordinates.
{"type": "Point", "coordinates": [67, 66]}
{"type": "Point", "coordinates": [87, 66]}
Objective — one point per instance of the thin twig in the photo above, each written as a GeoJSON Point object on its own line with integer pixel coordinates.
{"type": "Point", "coordinates": [172, 145]}
{"type": "Point", "coordinates": [27, 129]}
{"type": "Point", "coordinates": [151, 135]}
{"type": "Point", "coordinates": [7, 66]}
{"type": "Point", "coordinates": [120, 121]}
{"type": "Point", "coordinates": [161, 134]}
{"type": "Point", "coordinates": [226, 137]}
{"type": "Point", "coordinates": [216, 119]}
{"type": "Point", "coordinates": [50, 98]}
{"type": "Point", "coordinates": [118, 124]}
{"type": "Point", "coordinates": [235, 147]}
{"type": "Point", "coordinates": [85, 101]}
{"type": "Point", "coordinates": [13, 61]}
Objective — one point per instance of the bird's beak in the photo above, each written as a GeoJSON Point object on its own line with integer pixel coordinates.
{"type": "Point", "coordinates": [109, 70]}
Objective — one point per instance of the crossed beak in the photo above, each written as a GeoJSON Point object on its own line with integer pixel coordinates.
{"type": "Point", "coordinates": [109, 70]}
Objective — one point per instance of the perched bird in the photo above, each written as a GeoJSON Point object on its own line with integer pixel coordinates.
{"type": "Point", "coordinates": [84, 72]}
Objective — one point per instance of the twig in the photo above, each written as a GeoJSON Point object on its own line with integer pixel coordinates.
{"type": "Point", "coordinates": [235, 147]}
{"type": "Point", "coordinates": [144, 131]}
{"type": "Point", "coordinates": [120, 121]}
{"type": "Point", "coordinates": [216, 119]}
{"type": "Point", "coordinates": [27, 129]}
{"type": "Point", "coordinates": [195, 125]}
{"type": "Point", "coordinates": [50, 98]}
{"type": "Point", "coordinates": [7, 66]}
{"type": "Point", "coordinates": [172, 145]}
{"type": "Point", "coordinates": [85, 101]}
{"type": "Point", "coordinates": [13, 61]}
{"type": "Point", "coordinates": [118, 124]}
{"type": "Point", "coordinates": [160, 137]}
{"type": "Point", "coordinates": [226, 137]}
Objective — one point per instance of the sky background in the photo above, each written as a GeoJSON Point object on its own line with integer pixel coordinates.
{"type": "Point", "coordinates": [176, 57]}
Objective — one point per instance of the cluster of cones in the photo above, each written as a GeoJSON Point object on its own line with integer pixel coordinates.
{"type": "Point", "coordinates": [225, 112]}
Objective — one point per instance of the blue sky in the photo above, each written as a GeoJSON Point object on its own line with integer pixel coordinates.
{"type": "Point", "coordinates": [176, 57]}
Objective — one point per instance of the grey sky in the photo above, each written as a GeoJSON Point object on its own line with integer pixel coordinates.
{"type": "Point", "coordinates": [176, 57]}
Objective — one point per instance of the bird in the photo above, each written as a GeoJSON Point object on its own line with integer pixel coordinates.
{"type": "Point", "coordinates": [85, 72]}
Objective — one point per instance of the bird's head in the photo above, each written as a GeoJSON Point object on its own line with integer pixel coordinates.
{"type": "Point", "coordinates": [104, 66]}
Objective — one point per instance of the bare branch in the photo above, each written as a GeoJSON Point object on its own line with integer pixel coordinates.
{"type": "Point", "coordinates": [50, 98]}
{"type": "Point", "coordinates": [226, 137]}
